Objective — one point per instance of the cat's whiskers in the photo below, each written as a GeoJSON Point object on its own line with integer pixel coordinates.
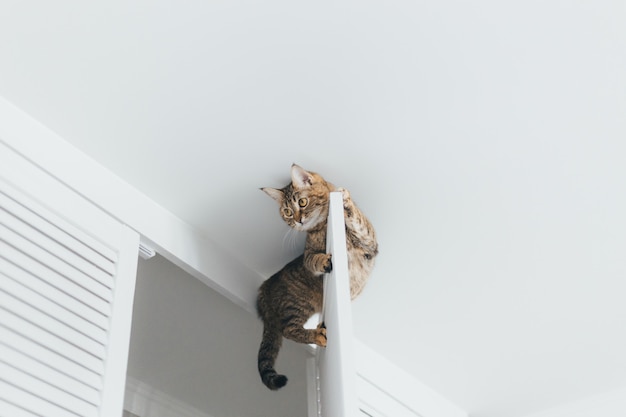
{"type": "Point", "coordinates": [285, 238]}
{"type": "Point", "coordinates": [288, 240]}
{"type": "Point", "coordinates": [294, 240]}
{"type": "Point", "coordinates": [291, 240]}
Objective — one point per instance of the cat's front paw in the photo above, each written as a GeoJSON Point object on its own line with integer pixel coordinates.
{"type": "Point", "coordinates": [327, 264]}
{"type": "Point", "coordinates": [345, 194]}
{"type": "Point", "coordinates": [318, 263]}
{"type": "Point", "coordinates": [347, 201]}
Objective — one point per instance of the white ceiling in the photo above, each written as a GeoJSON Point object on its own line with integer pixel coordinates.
{"type": "Point", "coordinates": [485, 140]}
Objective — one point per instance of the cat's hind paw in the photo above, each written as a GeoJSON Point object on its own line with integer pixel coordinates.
{"type": "Point", "coordinates": [320, 336]}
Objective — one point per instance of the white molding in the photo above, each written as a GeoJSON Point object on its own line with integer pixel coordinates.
{"type": "Point", "coordinates": [176, 240]}
{"type": "Point", "coordinates": [406, 396]}
{"type": "Point", "coordinates": [144, 400]}
{"type": "Point", "coordinates": [593, 406]}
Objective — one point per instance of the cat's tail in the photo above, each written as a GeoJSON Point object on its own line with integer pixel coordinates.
{"type": "Point", "coordinates": [268, 351]}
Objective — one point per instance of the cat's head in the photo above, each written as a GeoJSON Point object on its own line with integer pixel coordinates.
{"type": "Point", "coordinates": [303, 202]}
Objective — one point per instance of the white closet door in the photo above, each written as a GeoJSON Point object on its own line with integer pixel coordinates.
{"type": "Point", "coordinates": [67, 279]}
{"type": "Point", "coordinates": [335, 363]}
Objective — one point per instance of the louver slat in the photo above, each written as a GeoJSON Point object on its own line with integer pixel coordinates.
{"type": "Point", "coordinates": [49, 223]}
{"type": "Point", "coordinates": [49, 375]}
{"type": "Point", "coordinates": [51, 359]}
{"type": "Point", "coordinates": [42, 399]}
{"type": "Point", "coordinates": [54, 279]}
{"type": "Point", "coordinates": [12, 410]}
{"type": "Point", "coordinates": [12, 211]}
{"type": "Point", "coordinates": [55, 343]}
{"type": "Point", "coordinates": [68, 301]}
{"type": "Point", "coordinates": [59, 313]}
{"type": "Point", "coordinates": [46, 321]}
{"type": "Point", "coordinates": [59, 265]}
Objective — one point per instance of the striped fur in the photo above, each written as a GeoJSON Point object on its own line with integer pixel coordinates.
{"type": "Point", "coordinates": [291, 296]}
{"type": "Point", "coordinates": [285, 302]}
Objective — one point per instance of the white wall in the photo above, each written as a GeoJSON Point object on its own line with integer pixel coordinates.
{"type": "Point", "coordinates": [608, 404]}
{"type": "Point", "coordinates": [194, 352]}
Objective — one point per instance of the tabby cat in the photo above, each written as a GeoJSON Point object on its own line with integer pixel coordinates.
{"type": "Point", "coordinates": [291, 296]}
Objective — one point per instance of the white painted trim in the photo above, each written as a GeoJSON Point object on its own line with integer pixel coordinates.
{"type": "Point", "coordinates": [376, 403]}
{"type": "Point", "coordinates": [335, 362]}
{"type": "Point", "coordinates": [312, 388]}
{"type": "Point", "coordinates": [176, 240]}
{"type": "Point", "coordinates": [144, 400]}
{"type": "Point", "coordinates": [121, 320]}
{"type": "Point", "coordinates": [591, 406]}
{"type": "Point", "coordinates": [408, 396]}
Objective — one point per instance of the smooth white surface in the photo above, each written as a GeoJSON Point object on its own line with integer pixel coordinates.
{"type": "Point", "coordinates": [335, 362]}
{"type": "Point", "coordinates": [607, 404]}
{"type": "Point", "coordinates": [485, 140]}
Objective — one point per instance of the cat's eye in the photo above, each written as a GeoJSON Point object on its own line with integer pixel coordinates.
{"type": "Point", "coordinates": [287, 212]}
{"type": "Point", "coordinates": [303, 202]}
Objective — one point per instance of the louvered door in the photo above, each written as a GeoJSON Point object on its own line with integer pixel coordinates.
{"type": "Point", "coordinates": [67, 275]}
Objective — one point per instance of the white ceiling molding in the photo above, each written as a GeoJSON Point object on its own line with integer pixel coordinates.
{"type": "Point", "coordinates": [144, 400]}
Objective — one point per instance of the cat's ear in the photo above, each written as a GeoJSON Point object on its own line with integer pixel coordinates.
{"type": "Point", "coordinates": [300, 178]}
{"type": "Point", "coordinates": [274, 193]}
